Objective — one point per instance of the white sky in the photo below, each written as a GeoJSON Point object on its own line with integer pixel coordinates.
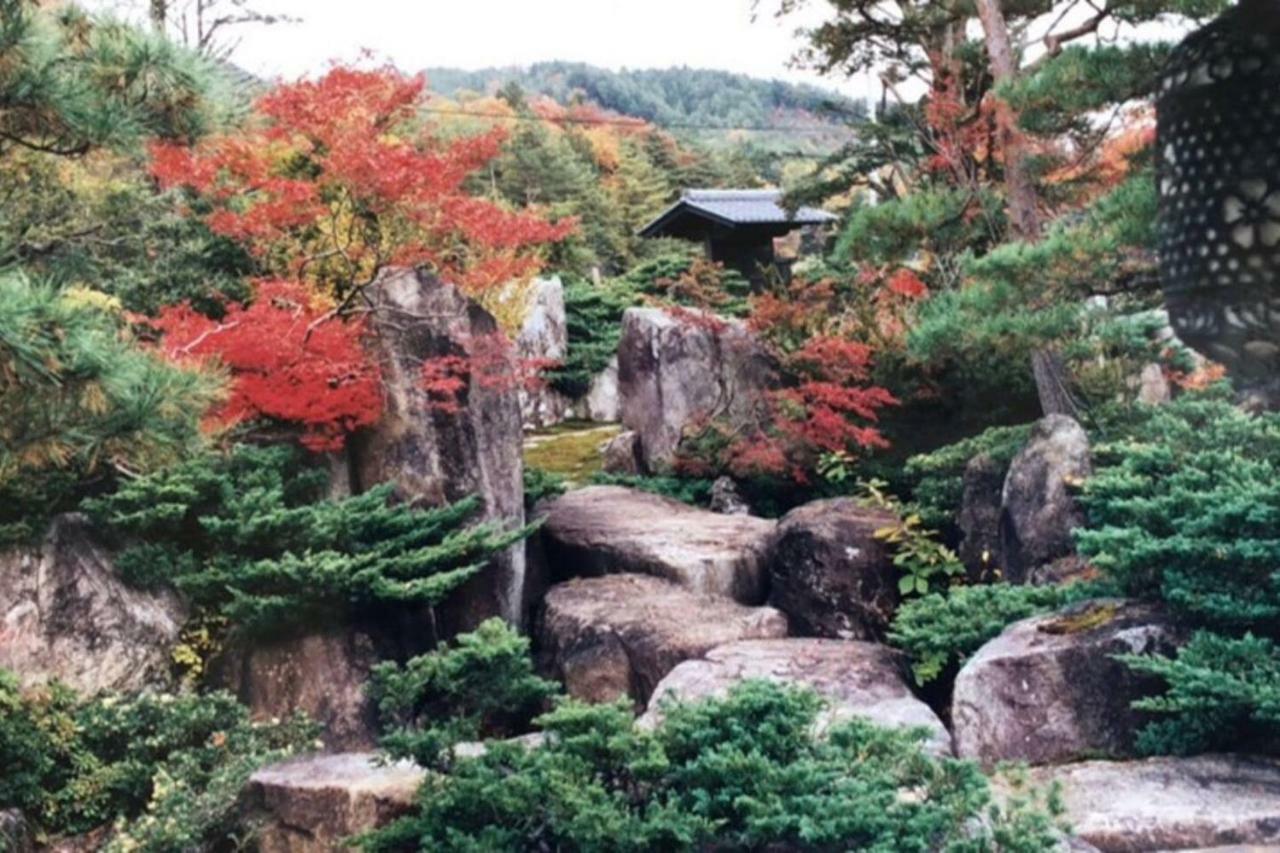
{"type": "Point", "coordinates": [470, 34]}
{"type": "Point", "coordinates": [481, 33]}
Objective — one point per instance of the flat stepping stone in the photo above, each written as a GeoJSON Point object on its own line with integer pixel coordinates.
{"type": "Point", "coordinates": [619, 635]}
{"type": "Point", "coordinates": [1198, 803]}
{"type": "Point", "coordinates": [858, 680]}
{"type": "Point", "coordinates": [314, 803]}
{"type": "Point", "coordinates": [612, 530]}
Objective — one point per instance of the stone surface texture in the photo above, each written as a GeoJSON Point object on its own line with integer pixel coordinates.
{"type": "Point", "coordinates": [440, 456]}
{"type": "Point", "coordinates": [829, 573]}
{"type": "Point", "coordinates": [610, 529]}
{"type": "Point", "coordinates": [619, 635]}
{"type": "Point", "coordinates": [312, 804]}
{"type": "Point", "coordinates": [322, 675]}
{"type": "Point", "coordinates": [66, 615]}
{"type": "Point", "coordinates": [858, 679]}
{"type": "Point", "coordinates": [1039, 509]}
{"type": "Point", "coordinates": [1207, 802]}
{"type": "Point", "coordinates": [1048, 689]}
{"type": "Point", "coordinates": [677, 371]}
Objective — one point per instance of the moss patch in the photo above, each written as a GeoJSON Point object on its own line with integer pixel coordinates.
{"type": "Point", "coordinates": [1086, 618]}
{"type": "Point", "coordinates": [570, 449]}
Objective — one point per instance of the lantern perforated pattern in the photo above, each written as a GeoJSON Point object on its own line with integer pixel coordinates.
{"type": "Point", "coordinates": [1219, 183]}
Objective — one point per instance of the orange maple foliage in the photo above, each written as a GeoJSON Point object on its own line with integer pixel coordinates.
{"type": "Point", "coordinates": [336, 178]}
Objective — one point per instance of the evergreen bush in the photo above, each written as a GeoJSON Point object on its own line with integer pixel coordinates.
{"type": "Point", "coordinates": [1186, 510]}
{"type": "Point", "coordinates": [249, 534]}
{"type": "Point", "coordinates": [739, 773]}
{"type": "Point", "coordinates": [483, 685]}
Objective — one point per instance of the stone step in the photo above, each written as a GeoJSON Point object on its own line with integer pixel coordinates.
{"type": "Point", "coordinates": [619, 635]}
{"type": "Point", "coordinates": [858, 680]}
{"type": "Point", "coordinates": [1198, 803]}
{"type": "Point", "coordinates": [313, 803]}
{"type": "Point", "coordinates": [612, 530]}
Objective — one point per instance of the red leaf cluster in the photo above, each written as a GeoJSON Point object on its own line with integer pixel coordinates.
{"type": "Point", "coordinates": [289, 362]}
{"type": "Point", "coordinates": [338, 177]}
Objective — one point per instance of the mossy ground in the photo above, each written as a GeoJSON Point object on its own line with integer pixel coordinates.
{"type": "Point", "coordinates": [571, 449]}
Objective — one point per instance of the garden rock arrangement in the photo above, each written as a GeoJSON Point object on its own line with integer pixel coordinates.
{"type": "Point", "coordinates": [680, 370]}
{"type": "Point", "coordinates": [830, 573]}
{"type": "Point", "coordinates": [66, 615]}
{"type": "Point", "coordinates": [862, 680]}
{"type": "Point", "coordinates": [1049, 689]}
{"type": "Point", "coordinates": [316, 804]}
{"type": "Point", "coordinates": [619, 635]}
{"type": "Point", "coordinates": [608, 529]}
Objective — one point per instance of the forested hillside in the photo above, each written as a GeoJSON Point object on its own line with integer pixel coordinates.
{"type": "Point", "coordinates": [704, 103]}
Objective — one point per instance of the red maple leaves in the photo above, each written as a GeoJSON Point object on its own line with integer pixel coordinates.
{"type": "Point", "coordinates": [289, 362]}
{"type": "Point", "coordinates": [338, 177]}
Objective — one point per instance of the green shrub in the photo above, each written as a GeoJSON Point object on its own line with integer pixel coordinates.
{"type": "Point", "coordinates": [1224, 692]}
{"type": "Point", "coordinates": [738, 773]}
{"type": "Point", "coordinates": [941, 630]}
{"type": "Point", "coordinates": [166, 769]}
{"type": "Point", "coordinates": [483, 686]}
{"type": "Point", "coordinates": [540, 484]}
{"type": "Point", "coordinates": [593, 316]}
{"type": "Point", "coordinates": [694, 491]}
{"type": "Point", "coordinates": [1186, 511]}
{"type": "Point", "coordinates": [248, 535]}
{"type": "Point", "coordinates": [937, 478]}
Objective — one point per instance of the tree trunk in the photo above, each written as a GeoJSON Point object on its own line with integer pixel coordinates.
{"type": "Point", "coordinates": [1051, 384]}
{"type": "Point", "coordinates": [1024, 215]}
{"type": "Point", "coordinates": [159, 11]}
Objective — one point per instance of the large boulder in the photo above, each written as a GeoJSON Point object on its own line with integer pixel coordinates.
{"type": "Point", "coordinates": [979, 518]}
{"type": "Point", "coordinates": [315, 804]}
{"type": "Point", "coordinates": [543, 339]}
{"type": "Point", "coordinates": [858, 680]}
{"type": "Point", "coordinates": [619, 635]}
{"type": "Point", "coordinates": [1219, 802]}
{"type": "Point", "coordinates": [830, 574]}
{"type": "Point", "coordinates": [322, 675]}
{"type": "Point", "coordinates": [610, 529]}
{"type": "Point", "coordinates": [439, 454]}
{"type": "Point", "coordinates": [65, 615]}
{"type": "Point", "coordinates": [1049, 689]}
{"type": "Point", "coordinates": [678, 371]}
{"type": "Point", "coordinates": [1039, 509]}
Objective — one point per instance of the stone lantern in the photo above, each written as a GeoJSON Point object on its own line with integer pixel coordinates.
{"type": "Point", "coordinates": [1219, 183]}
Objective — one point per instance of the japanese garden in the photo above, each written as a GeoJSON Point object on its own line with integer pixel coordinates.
{"type": "Point", "coordinates": [553, 457]}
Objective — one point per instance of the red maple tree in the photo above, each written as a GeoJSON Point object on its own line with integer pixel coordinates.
{"type": "Point", "coordinates": [289, 360]}
{"type": "Point", "coordinates": [336, 178]}
{"type": "Point", "coordinates": [331, 181]}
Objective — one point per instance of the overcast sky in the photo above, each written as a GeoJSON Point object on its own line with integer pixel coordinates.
{"type": "Point", "coordinates": [481, 33]}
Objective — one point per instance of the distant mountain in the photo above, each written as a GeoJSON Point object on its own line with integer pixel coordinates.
{"type": "Point", "coordinates": [688, 99]}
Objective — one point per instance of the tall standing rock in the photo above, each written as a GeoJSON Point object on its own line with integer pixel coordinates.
{"type": "Point", "coordinates": [677, 371]}
{"type": "Point", "coordinates": [65, 615]}
{"type": "Point", "coordinates": [544, 338]}
{"type": "Point", "coordinates": [1039, 509]}
{"type": "Point", "coordinates": [440, 454]}
{"type": "Point", "coordinates": [979, 519]}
